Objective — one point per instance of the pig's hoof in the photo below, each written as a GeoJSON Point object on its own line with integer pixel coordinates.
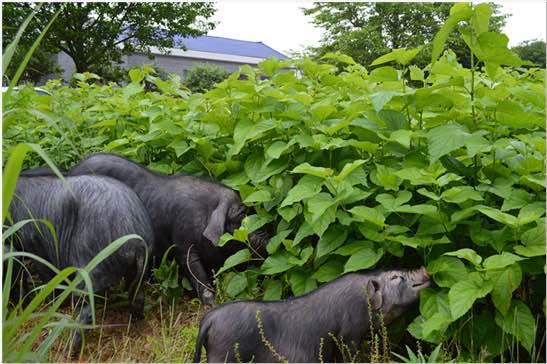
{"type": "Point", "coordinates": [208, 298]}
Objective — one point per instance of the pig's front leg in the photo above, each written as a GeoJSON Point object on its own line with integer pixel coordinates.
{"type": "Point", "coordinates": [190, 259]}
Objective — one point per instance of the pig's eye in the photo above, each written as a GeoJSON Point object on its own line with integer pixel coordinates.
{"type": "Point", "coordinates": [396, 277]}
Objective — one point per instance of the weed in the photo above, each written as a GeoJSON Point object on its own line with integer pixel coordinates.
{"type": "Point", "coordinates": [265, 340]}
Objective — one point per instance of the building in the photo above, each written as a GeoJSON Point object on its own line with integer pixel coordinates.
{"type": "Point", "coordinates": [225, 52]}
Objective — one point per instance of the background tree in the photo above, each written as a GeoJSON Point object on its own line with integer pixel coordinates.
{"type": "Point", "coordinates": [366, 31]}
{"type": "Point", "coordinates": [97, 35]}
{"type": "Point", "coordinates": [203, 77]}
{"type": "Point", "coordinates": [532, 50]}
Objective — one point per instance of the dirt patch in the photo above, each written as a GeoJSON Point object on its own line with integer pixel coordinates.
{"type": "Point", "coordinates": [166, 334]}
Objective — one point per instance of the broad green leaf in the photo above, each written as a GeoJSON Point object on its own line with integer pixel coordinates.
{"type": "Point", "coordinates": [402, 137]}
{"type": "Point", "coordinates": [324, 220]}
{"type": "Point", "coordinates": [427, 193]}
{"type": "Point", "coordinates": [321, 111]}
{"type": "Point", "coordinates": [381, 74]}
{"type": "Point", "coordinates": [332, 238]}
{"type": "Point", "coordinates": [390, 202]}
{"type": "Point", "coordinates": [461, 194]}
{"type": "Point", "coordinates": [304, 231]}
{"type": "Point", "coordinates": [368, 214]}
{"type": "Point", "coordinates": [520, 323]}
{"type": "Point", "coordinates": [246, 130]}
{"type": "Point", "coordinates": [464, 293]}
{"type": "Point", "coordinates": [301, 282]}
{"type": "Point", "coordinates": [459, 12]}
{"type": "Point", "coordinates": [307, 186]}
{"type": "Point", "coordinates": [534, 242]}
{"type": "Point", "coordinates": [305, 254]}
{"type": "Point", "coordinates": [329, 270]}
{"type": "Point", "coordinates": [417, 176]}
{"type": "Point", "coordinates": [318, 205]}
{"type": "Point", "coordinates": [276, 240]}
{"type": "Point", "coordinates": [306, 168]}
{"type": "Point", "coordinates": [272, 290]}
{"type": "Point", "coordinates": [385, 177]}
{"type": "Point", "coordinates": [381, 98]}
{"type": "Point", "coordinates": [277, 263]}
{"type": "Point", "coordinates": [481, 18]}
{"type": "Point", "coordinates": [258, 196]}
{"type": "Point", "coordinates": [348, 168]}
{"type": "Point", "coordinates": [288, 213]}
{"type": "Point", "coordinates": [416, 73]}
{"type": "Point", "coordinates": [516, 199]}
{"type": "Point", "coordinates": [447, 271]}
{"type": "Point", "coordinates": [394, 120]}
{"type": "Point", "coordinates": [237, 284]}
{"type": "Point", "coordinates": [275, 150]}
{"type": "Point", "coordinates": [501, 260]}
{"type": "Point", "coordinates": [363, 259]}
{"type": "Point", "coordinates": [424, 209]}
{"type": "Point", "coordinates": [418, 240]}
{"type": "Point", "coordinates": [445, 139]}
{"type": "Point", "coordinates": [499, 216]}
{"type": "Point", "coordinates": [504, 282]}
{"type": "Point", "coordinates": [530, 213]}
{"type": "Point", "coordinates": [467, 254]}
{"type": "Point", "coordinates": [402, 56]}
{"type": "Point", "coordinates": [352, 248]}
{"type": "Point", "coordinates": [241, 256]}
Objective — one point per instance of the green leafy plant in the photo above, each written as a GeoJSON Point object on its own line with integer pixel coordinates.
{"type": "Point", "coordinates": [204, 77]}
{"type": "Point", "coordinates": [167, 276]}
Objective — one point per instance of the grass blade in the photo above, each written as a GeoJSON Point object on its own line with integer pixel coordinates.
{"type": "Point", "coordinates": [10, 49]}
{"type": "Point", "coordinates": [29, 54]}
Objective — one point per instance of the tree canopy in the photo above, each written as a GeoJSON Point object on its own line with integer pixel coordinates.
{"type": "Point", "coordinates": [533, 51]}
{"type": "Point", "coordinates": [97, 35]}
{"type": "Point", "coordinates": [366, 31]}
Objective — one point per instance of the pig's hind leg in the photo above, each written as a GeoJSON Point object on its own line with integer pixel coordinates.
{"type": "Point", "coordinates": [135, 285]}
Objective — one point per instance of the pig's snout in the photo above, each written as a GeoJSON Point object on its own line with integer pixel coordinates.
{"type": "Point", "coordinates": [421, 279]}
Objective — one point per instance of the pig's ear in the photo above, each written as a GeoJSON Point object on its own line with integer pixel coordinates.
{"type": "Point", "coordinates": [215, 226]}
{"type": "Point", "coordinates": [374, 294]}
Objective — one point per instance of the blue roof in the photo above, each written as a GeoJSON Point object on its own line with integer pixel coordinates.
{"type": "Point", "coordinates": [207, 43]}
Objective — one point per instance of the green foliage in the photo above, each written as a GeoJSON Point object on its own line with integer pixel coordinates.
{"type": "Point", "coordinates": [204, 77]}
{"type": "Point", "coordinates": [367, 30]}
{"type": "Point", "coordinates": [533, 51]}
{"type": "Point", "coordinates": [167, 276]}
{"type": "Point", "coordinates": [352, 169]}
{"type": "Point", "coordinates": [91, 33]}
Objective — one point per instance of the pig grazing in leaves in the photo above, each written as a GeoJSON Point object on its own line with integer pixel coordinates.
{"type": "Point", "coordinates": [190, 212]}
{"type": "Point", "coordinates": [87, 214]}
{"type": "Point", "coordinates": [306, 328]}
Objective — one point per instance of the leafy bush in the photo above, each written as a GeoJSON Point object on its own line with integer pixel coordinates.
{"type": "Point", "coordinates": [354, 170]}
{"type": "Point", "coordinates": [204, 77]}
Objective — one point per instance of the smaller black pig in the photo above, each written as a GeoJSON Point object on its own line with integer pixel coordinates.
{"type": "Point", "coordinates": [295, 327]}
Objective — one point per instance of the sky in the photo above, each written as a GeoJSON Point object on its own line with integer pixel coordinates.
{"type": "Point", "coordinates": [283, 26]}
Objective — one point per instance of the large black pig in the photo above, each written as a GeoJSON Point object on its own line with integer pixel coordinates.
{"type": "Point", "coordinates": [294, 328]}
{"type": "Point", "coordinates": [188, 211]}
{"type": "Point", "coordinates": [87, 213]}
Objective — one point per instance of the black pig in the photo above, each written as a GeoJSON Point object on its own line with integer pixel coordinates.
{"type": "Point", "coordinates": [87, 213]}
{"type": "Point", "coordinates": [187, 211]}
{"type": "Point", "coordinates": [294, 328]}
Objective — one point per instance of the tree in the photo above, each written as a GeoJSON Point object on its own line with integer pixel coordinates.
{"type": "Point", "coordinates": [532, 50]}
{"type": "Point", "coordinates": [96, 35]}
{"type": "Point", "coordinates": [203, 77]}
{"type": "Point", "coordinates": [366, 31]}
